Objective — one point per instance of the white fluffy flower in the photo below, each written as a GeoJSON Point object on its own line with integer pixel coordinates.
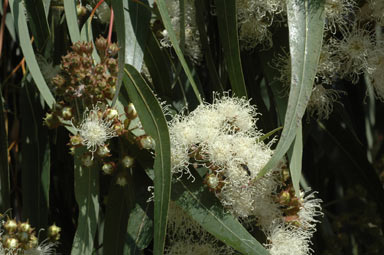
{"type": "Point", "coordinates": [223, 134]}
{"type": "Point", "coordinates": [337, 13]}
{"type": "Point", "coordinates": [254, 19]}
{"type": "Point", "coordinates": [288, 241]}
{"type": "Point", "coordinates": [321, 101]}
{"type": "Point", "coordinates": [44, 248]}
{"type": "Point", "coordinates": [352, 52]}
{"type": "Point", "coordinates": [286, 238]}
{"type": "Point", "coordinates": [95, 129]}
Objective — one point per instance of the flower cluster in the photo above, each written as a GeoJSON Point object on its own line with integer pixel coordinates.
{"type": "Point", "coordinates": [222, 137]}
{"type": "Point", "coordinates": [254, 19]}
{"type": "Point", "coordinates": [192, 45]}
{"type": "Point", "coordinates": [20, 238]}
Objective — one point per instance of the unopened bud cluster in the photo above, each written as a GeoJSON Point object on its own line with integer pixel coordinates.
{"type": "Point", "coordinates": [82, 78]}
{"type": "Point", "coordinates": [18, 237]}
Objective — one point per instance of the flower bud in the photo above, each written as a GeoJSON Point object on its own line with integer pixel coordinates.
{"type": "Point", "coordinates": [11, 243]}
{"type": "Point", "coordinates": [113, 49]}
{"type": "Point", "coordinates": [127, 161]}
{"type": "Point", "coordinates": [75, 140]}
{"type": "Point", "coordinates": [146, 142]}
{"type": "Point", "coordinates": [58, 81]}
{"type": "Point", "coordinates": [33, 241]}
{"type": "Point", "coordinates": [23, 237]}
{"type": "Point", "coordinates": [25, 227]}
{"type": "Point", "coordinates": [111, 114]}
{"type": "Point", "coordinates": [108, 168]}
{"type": "Point", "coordinates": [54, 232]}
{"type": "Point", "coordinates": [121, 179]}
{"type": "Point", "coordinates": [101, 45]}
{"type": "Point", "coordinates": [66, 113]}
{"type": "Point", "coordinates": [130, 111]}
{"type": "Point", "coordinates": [51, 120]}
{"type": "Point", "coordinates": [81, 10]}
{"type": "Point", "coordinates": [10, 226]}
{"type": "Point", "coordinates": [103, 151]}
{"type": "Point", "coordinates": [86, 160]}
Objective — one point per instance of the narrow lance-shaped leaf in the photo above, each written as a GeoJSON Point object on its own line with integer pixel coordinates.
{"type": "Point", "coordinates": [87, 198]}
{"type": "Point", "coordinates": [201, 13]}
{"type": "Point", "coordinates": [71, 18]}
{"type": "Point", "coordinates": [306, 24]}
{"type": "Point", "coordinates": [227, 23]}
{"type": "Point", "coordinates": [18, 12]}
{"type": "Point", "coordinates": [35, 175]}
{"type": "Point", "coordinates": [116, 220]}
{"type": "Point", "coordinates": [175, 44]}
{"type": "Point", "coordinates": [155, 125]}
{"type": "Point", "coordinates": [38, 22]}
{"type": "Point", "coordinates": [296, 157]}
{"type": "Point", "coordinates": [132, 28]}
{"type": "Point", "coordinates": [204, 208]}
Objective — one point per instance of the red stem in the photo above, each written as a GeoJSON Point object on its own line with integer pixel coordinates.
{"type": "Point", "coordinates": [110, 26]}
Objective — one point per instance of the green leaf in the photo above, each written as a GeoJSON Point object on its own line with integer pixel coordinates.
{"type": "Point", "coordinates": [201, 15]}
{"type": "Point", "coordinates": [175, 43]}
{"type": "Point", "coordinates": [306, 25]}
{"type": "Point", "coordinates": [205, 209]}
{"type": "Point", "coordinates": [5, 197]}
{"type": "Point", "coordinates": [155, 125]}
{"type": "Point", "coordinates": [116, 221]}
{"type": "Point", "coordinates": [139, 231]}
{"type": "Point", "coordinates": [18, 12]}
{"type": "Point", "coordinates": [38, 22]}
{"type": "Point", "coordinates": [295, 162]}
{"type": "Point", "coordinates": [132, 28]}
{"type": "Point", "coordinates": [158, 66]}
{"type": "Point", "coordinates": [87, 198]}
{"type": "Point", "coordinates": [227, 23]}
{"type": "Point", "coordinates": [71, 18]}
{"type": "Point", "coordinates": [35, 175]}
